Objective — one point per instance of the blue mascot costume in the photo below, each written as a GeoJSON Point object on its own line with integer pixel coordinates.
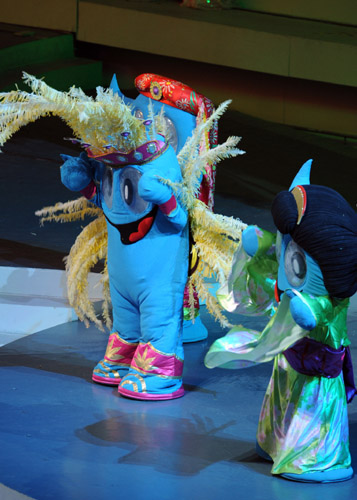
{"type": "Point", "coordinates": [182, 109]}
{"type": "Point", "coordinates": [311, 267]}
{"type": "Point", "coordinates": [147, 265]}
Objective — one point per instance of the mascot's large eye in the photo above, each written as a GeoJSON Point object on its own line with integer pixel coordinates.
{"type": "Point", "coordinates": [107, 187]}
{"type": "Point", "coordinates": [171, 133]}
{"type": "Point", "coordinates": [129, 179]}
{"type": "Point", "coordinates": [295, 264]}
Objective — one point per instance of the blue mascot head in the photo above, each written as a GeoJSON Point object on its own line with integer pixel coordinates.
{"type": "Point", "coordinates": [319, 235]}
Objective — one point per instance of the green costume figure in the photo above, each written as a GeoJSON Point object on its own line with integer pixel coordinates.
{"type": "Point", "coordinates": [311, 267]}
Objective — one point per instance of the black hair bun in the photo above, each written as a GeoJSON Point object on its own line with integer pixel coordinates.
{"type": "Point", "coordinates": [284, 212]}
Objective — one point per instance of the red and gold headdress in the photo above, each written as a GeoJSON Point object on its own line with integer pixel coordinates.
{"type": "Point", "coordinates": [181, 96]}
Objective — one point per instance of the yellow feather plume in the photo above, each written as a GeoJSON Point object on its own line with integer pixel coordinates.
{"type": "Point", "coordinates": [98, 122]}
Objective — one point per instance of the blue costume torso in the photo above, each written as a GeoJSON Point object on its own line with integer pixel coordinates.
{"type": "Point", "coordinates": [147, 280]}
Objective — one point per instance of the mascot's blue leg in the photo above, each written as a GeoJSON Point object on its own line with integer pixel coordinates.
{"type": "Point", "coordinates": [194, 331]}
{"type": "Point", "coordinates": [122, 342]}
{"type": "Point", "coordinates": [157, 365]}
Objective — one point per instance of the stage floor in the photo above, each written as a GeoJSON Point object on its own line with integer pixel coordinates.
{"type": "Point", "coordinates": [64, 437]}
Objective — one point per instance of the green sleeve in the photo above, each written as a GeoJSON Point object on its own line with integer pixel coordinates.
{"type": "Point", "coordinates": [250, 286]}
{"type": "Point", "coordinates": [331, 319]}
{"type": "Point", "coordinates": [262, 268]}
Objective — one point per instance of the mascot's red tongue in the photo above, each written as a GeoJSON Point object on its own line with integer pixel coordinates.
{"type": "Point", "coordinates": [143, 228]}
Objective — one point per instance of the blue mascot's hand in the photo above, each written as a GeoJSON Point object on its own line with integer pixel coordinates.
{"type": "Point", "coordinates": [151, 189]}
{"type": "Point", "coordinates": [76, 172]}
{"type": "Point", "coordinates": [300, 311]}
{"type": "Point", "coordinates": [250, 240]}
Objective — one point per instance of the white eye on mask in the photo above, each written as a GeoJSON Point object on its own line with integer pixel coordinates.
{"type": "Point", "coordinates": [129, 180]}
{"type": "Point", "coordinates": [295, 264]}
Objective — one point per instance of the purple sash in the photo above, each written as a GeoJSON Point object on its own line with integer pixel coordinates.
{"type": "Point", "coordinates": [309, 357]}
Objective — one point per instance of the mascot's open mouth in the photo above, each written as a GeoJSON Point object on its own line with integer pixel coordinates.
{"type": "Point", "coordinates": [136, 230]}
